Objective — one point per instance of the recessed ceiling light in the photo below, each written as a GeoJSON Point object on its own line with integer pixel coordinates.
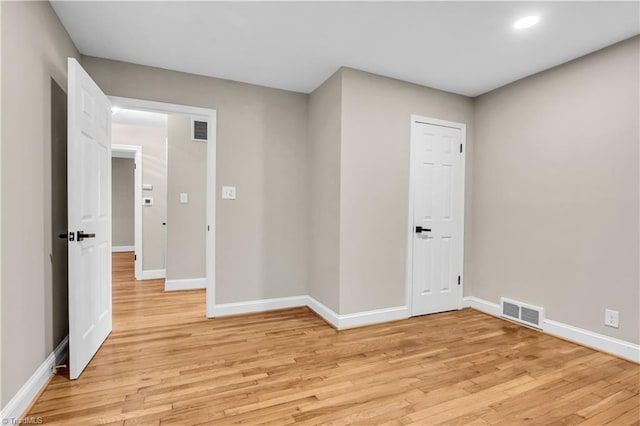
{"type": "Point", "coordinates": [526, 22]}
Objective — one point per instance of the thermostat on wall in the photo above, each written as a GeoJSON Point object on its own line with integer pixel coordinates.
{"type": "Point", "coordinates": [147, 201]}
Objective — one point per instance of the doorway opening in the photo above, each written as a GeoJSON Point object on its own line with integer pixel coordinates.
{"type": "Point", "coordinates": [189, 195]}
{"type": "Point", "coordinates": [59, 230]}
{"type": "Point", "coordinates": [126, 196]}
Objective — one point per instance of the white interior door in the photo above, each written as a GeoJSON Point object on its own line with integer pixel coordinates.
{"type": "Point", "coordinates": [89, 200]}
{"type": "Point", "coordinates": [437, 228]}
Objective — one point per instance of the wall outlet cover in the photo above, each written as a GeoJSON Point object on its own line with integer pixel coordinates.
{"type": "Point", "coordinates": [611, 318]}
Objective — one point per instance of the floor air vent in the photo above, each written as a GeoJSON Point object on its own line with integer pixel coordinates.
{"type": "Point", "coordinates": [521, 312]}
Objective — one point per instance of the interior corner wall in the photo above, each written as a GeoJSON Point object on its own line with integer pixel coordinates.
{"type": "Point", "coordinates": [374, 184]}
{"type": "Point", "coordinates": [262, 236]}
{"type": "Point", "coordinates": [556, 191]}
{"type": "Point", "coordinates": [36, 45]}
{"type": "Point", "coordinates": [324, 135]}
{"type": "Point", "coordinates": [153, 141]}
{"type": "Point", "coordinates": [186, 222]}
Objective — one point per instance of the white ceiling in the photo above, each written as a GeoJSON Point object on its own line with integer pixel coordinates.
{"type": "Point", "coordinates": [462, 47]}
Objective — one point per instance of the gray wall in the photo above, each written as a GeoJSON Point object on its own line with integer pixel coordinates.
{"type": "Point", "coordinates": [556, 191]}
{"type": "Point", "coordinates": [374, 182]}
{"type": "Point", "coordinates": [186, 223]}
{"type": "Point", "coordinates": [153, 141]}
{"type": "Point", "coordinates": [122, 197]}
{"type": "Point", "coordinates": [324, 166]}
{"type": "Point", "coordinates": [36, 46]}
{"type": "Point", "coordinates": [262, 236]}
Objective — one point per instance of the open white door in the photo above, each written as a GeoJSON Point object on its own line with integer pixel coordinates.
{"type": "Point", "coordinates": [436, 237]}
{"type": "Point", "coordinates": [89, 200]}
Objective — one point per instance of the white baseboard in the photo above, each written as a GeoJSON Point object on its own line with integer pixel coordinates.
{"type": "Point", "coordinates": [153, 274]}
{"type": "Point", "coordinates": [186, 284]}
{"type": "Point", "coordinates": [328, 314]}
{"type": "Point", "coordinates": [16, 407]}
{"type": "Point", "coordinates": [338, 321]}
{"type": "Point", "coordinates": [621, 348]}
{"type": "Point", "coordinates": [223, 309]}
{"type": "Point", "coordinates": [481, 305]}
{"type": "Point", "coordinates": [359, 319]}
{"type": "Point", "coordinates": [120, 249]}
{"type": "Point", "coordinates": [618, 347]}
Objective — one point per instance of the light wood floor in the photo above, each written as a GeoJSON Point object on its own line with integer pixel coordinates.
{"type": "Point", "coordinates": [165, 363]}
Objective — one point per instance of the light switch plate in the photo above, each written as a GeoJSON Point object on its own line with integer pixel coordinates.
{"type": "Point", "coordinates": [228, 192]}
{"type": "Point", "coordinates": [147, 186]}
{"type": "Point", "coordinates": [184, 197]}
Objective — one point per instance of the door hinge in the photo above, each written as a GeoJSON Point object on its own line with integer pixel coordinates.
{"type": "Point", "coordinates": [208, 228]}
{"type": "Point", "coordinates": [135, 257]}
{"type": "Point", "coordinates": [460, 148]}
{"type": "Point", "coordinates": [458, 279]}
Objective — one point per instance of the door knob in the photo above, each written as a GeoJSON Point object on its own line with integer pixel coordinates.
{"type": "Point", "coordinates": [82, 235]}
{"type": "Point", "coordinates": [420, 229]}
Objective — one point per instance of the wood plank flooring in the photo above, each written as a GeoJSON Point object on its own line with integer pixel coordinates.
{"type": "Point", "coordinates": [165, 363]}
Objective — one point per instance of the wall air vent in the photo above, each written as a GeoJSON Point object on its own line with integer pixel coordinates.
{"type": "Point", "coordinates": [521, 312]}
{"type": "Point", "coordinates": [199, 130]}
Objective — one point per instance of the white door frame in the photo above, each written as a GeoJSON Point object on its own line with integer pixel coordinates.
{"type": "Point", "coordinates": [210, 116]}
{"type": "Point", "coordinates": [410, 222]}
{"type": "Point", "coordinates": [134, 152]}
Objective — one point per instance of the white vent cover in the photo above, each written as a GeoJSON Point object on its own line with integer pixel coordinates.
{"type": "Point", "coordinates": [521, 312]}
{"type": "Point", "coordinates": [199, 130]}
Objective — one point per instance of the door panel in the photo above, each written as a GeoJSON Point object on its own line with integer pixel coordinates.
{"type": "Point", "coordinates": [437, 208]}
{"type": "Point", "coordinates": [89, 211]}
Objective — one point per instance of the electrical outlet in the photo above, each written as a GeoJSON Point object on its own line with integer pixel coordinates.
{"type": "Point", "coordinates": [611, 318]}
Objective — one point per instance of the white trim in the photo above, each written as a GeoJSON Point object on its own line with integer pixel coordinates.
{"type": "Point", "coordinates": [618, 347]}
{"type": "Point", "coordinates": [259, 305]}
{"type": "Point", "coordinates": [122, 249]}
{"type": "Point", "coordinates": [338, 321]}
{"type": "Point", "coordinates": [153, 274]}
{"type": "Point", "coordinates": [211, 116]}
{"type": "Point", "coordinates": [185, 284]}
{"type": "Point", "coordinates": [482, 305]}
{"type": "Point", "coordinates": [410, 221]}
{"type": "Point", "coordinates": [136, 152]}
{"type": "Point", "coordinates": [323, 311]}
{"type": "Point", "coordinates": [29, 391]}
{"type": "Point", "coordinates": [357, 319]}
{"type": "Point", "coordinates": [614, 346]}
{"type": "Point", "coordinates": [375, 316]}
{"type": "Point", "coordinates": [210, 248]}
